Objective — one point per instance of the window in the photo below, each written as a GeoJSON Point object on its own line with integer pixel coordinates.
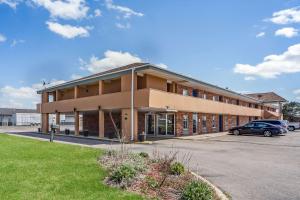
{"type": "Point", "coordinates": [195, 93]}
{"type": "Point", "coordinates": [185, 122]}
{"type": "Point", "coordinates": [214, 121]}
{"type": "Point", "coordinates": [215, 98]}
{"type": "Point", "coordinates": [204, 121]}
{"type": "Point", "coordinates": [185, 92]}
{"type": "Point", "coordinates": [249, 125]}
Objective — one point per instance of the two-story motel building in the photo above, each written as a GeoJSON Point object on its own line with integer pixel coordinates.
{"type": "Point", "coordinates": [143, 98]}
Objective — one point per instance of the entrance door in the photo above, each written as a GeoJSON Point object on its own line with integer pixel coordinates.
{"type": "Point", "coordinates": [170, 124]}
{"type": "Point", "coordinates": [161, 124]}
{"type": "Point", "coordinates": [150, 124]}
{"type": "Point", "coordinates": [195, 123]}
{"type": "Point", "coordinates": [165, 124]}
{"type": "Point", "coordinates": [221, 123]}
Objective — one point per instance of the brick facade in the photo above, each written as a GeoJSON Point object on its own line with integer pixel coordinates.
{"type": "Point", "coordinates": [90, 123]}
{"type": "Point", "coordinates": [109, 130]}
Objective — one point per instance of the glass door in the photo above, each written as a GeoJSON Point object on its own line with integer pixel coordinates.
{"type": "Point", "coordinates": [170, 124]}
{"type": "Point", "coordinates": [161, 124]}
{"type": "Point", "coordinates": [165, 125]}
{"type": "Point", "coordinates": [195, 123]}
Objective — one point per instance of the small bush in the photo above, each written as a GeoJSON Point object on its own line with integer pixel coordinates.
{"type": "Point", "coordinates": [177, 168]}
{"type": "Point", "coordinates": [124, 172]}
{"type": "Point", "coordinates": [144, 154]}
{"type": "Point", "coordinates": [151, 182]}
{"type": "Point", "coordinates": [197, 190]}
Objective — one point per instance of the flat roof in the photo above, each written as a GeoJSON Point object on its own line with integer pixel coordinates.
{"type": "Point", "coordinates": [140, 67]}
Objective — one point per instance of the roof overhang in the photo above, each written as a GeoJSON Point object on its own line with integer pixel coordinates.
{"type": "Point", "coordinates": [156, 71]}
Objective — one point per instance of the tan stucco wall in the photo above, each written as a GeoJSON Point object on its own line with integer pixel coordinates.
{"type": "Point", "coordinates": [90, 90]}
{"type": "Point", "coordinates": [112, 86]}
{"type": "Point", "coordinates": [117, 100]}
{"type": "Point", "coordinates": [159, 99]}
{"type": "Point", "coordinates": [156, 82]}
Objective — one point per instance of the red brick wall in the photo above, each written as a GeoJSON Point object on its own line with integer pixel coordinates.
{"type": "Point", "coordinates": [90, 122]}
{"type": "Point", "coordinates": [109, 130]}
{"type": "Point", "coordinates": [181, 87]}
{"type": "Point", "coordinates": [179, 124]}
{"type": "Point", "coordinates": [243, 120]}
{"type": "Point", "coordinates": [141, 122]}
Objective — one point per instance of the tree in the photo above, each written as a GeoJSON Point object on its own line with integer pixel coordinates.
{"type": "Point", "coordinates": [291, 111]}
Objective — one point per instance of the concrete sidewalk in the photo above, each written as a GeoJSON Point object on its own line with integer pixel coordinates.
{"type": "Point", "coordinates": [202, 137]}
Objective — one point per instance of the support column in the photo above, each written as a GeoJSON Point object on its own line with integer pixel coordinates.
{"type": "Point", "coordinates": [56, 95]}
{"type": "Point", "coordinates": [45, 122]}
{"type": "Point", "coordinates": [76, 114]}
{"type": "Point", "coordinates": [76, 92]}
{"type": "Point", "coordinates": [101, 124]}
{"type": "Point", "coordinates": [100, 87]}
{"type": "Point", "coordinates": [126, 124]}
{"type": "Point", "coordinates": [57, 118]}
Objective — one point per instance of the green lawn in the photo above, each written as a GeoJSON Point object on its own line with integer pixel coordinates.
{"type": "Point", "coordinates": [31, 169]}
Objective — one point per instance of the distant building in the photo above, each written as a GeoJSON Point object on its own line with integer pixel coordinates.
{"type": "Point", "coordinates": [19, 117]}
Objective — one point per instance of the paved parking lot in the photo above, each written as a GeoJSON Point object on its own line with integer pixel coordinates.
{"type": "Point", "coordinates": [247, 167]}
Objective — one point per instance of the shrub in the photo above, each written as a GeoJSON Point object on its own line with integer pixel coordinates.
{"type": "Point", "coordinates": [124, 172]}
{"type": "Point", "coordinates": [176, 168]}
{"type": "Point", "coordinates": [151, 182]}
{"type": "Point", "coordinates": [144, 154]}
{"type": "Point", "coordinates": [197, 190]}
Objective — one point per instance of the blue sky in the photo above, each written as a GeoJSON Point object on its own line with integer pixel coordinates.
{"type": "Point", "coordinates": [222, 42]}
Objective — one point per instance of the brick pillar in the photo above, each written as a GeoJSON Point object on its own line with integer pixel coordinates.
{"type": "Point", "coordinates": [76, 114]}
{"type": "Point", "coordinates": [57, 118]}
{"type": "Point", "coordinates": [126, 124]}
{"type": "Point", "coordinates": [45, 122]}
{"type": "Point", "coordinates": [101, 124]}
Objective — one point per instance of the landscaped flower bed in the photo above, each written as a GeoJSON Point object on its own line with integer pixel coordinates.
{"type": "Point", "coordinates": [158, 177]}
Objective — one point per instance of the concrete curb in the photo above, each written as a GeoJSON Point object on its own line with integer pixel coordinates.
{"type": "Point", "coordinates": [220, 194]}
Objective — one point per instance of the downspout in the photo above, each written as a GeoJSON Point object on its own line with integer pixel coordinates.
{"type": "Point", "coordinates": [132, 105]}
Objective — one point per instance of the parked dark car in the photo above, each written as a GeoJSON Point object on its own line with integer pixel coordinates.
{"type": "Point", "coordinates": [280, 123]}
{"type": "Point", "coordinates": [261, 128]}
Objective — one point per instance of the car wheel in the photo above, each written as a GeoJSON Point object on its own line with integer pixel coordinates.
{"type": "Point", "coordinates": [291, 128]}
{"type": "Point", "coordinates": [267, 133]}
{"type": "Point", "coordinates": [236, 132]}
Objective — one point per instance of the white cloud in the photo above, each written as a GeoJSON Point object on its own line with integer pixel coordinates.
{"type": "Point", "coordinates": [11, 3]}
{"type": "Point", "coordinates": [12, 97]}
{"type": "Point", "coordinates": [2, 38]}
{"type": "Point", "coordinates": [97, 13]}
{"type": "Point", "coordinates": [296, 91]}
{"type": "Point", "coordinates": [249, 78]}
{"type": "Point", "coordinates": [23, 97]}
{"type": "Point", "coordinates": [65, 9]}
{"type": "Point", "coordinates": [162, 65]}
{"type": "Point", "coordinates": [123, 26]}
{"type": "Point", "coordinates": [68, 31]}
{"type": "Point", "coordinates": [125, 11]}
{"type": "Point", "coordinates": [287, 16]}
{"type": "Point", "coordinates": [15, 42]}
{"type": "Point", "coordinates": [288, 32]}
{"type": "Point", "coordinates": [75, 76]}
{"type": "Point", "coordinates": [273, 65]}
{"type": "Point", "coordinates": [112, 59]}
{"type": "Point", "coordinates": [261, 34]}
